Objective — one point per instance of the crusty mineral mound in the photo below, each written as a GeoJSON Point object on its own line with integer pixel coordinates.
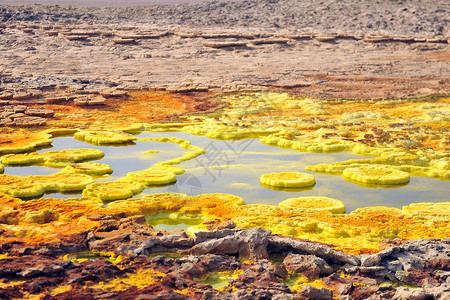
{"type": "Point", "coordinates": [288, 179]}
{"type": "Point", "coordinates": [314, 203]}
{"type": "Point", "coordinates": [113, 190]}
{"type": "Point", "coordinates": [103, 137]}
{"type": "Point", "coordinates": [376, 174]}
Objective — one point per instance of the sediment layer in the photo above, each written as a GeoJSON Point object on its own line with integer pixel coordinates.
{"type": "Point", "coordinates": [368, 50]}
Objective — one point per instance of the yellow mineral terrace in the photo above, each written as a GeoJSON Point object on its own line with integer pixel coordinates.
{"type": "Point", "coordinates": [288, 179]}
{"type": "Point", "coordinates": [403, 138]}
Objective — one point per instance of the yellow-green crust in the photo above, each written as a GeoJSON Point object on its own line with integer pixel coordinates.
{"type": "Point", "coordinates": [376, 174]}
{"type": "Point", "coordinates": [288, 179]}
{"type": "Point", "coordinates": [103, 137]}
{"type": "Point", "coordinates": [54, 159]}
{"type": "Point", "coordinates": [317, 203]}
{"type": "Point", "coordinates": [152, 176]}
{"type": "Point", "coordinates": [33, 186]}
{"type": "Point", "coordinates": [113, 190]}
{"type": "Point", "coordinates": [88, 168]}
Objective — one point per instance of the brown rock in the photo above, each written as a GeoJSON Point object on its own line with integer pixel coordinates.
{"type": "Point", "coordinates": [404, 293]}
{"type": "Point", "coordinates": [98, 217]}
{"type": "Point", "coordinates": [262, 275]}
{"type": "Point", "coordinates": [31, 266]}
{"type": "Point", "coordinates": [52, 33]}
{"type": "Point", "coordinates": [7, 122]}
{"type": "Point", "coordinates": [251, 243]}
{"type": "Point", "coordinates": [40, 112]}
{"type": "Point", "coordinates": [309, 292]}
{"type": "Point", "coordinates": [59, 99]}
{"type": "Point", "coordinates": [124, 41]}
{"type": "Point", "coordinates": [16, 116]}
{"type": "Point", "coordinates": [6, 114]}
{"type": "Point", "coordinates": [107, 33]}
{"type": "Point", "coordinates": [113, 93]}
{"type": "Point", "coordinates": [311, 266]}
{"type": "Point", "coordinates": [77, 37]}
{"type": "Point", "coordinates": [374, 259]}
{"type": "Point", "coordinates": [98, 100]}
{"type": "Point", "coordinates": [437, 40]}
{"type": "Point", "coordinates": [269, 41]}
{"type": "Point", "coordinates": [30, 121]}
{"type": "Point", "coordinates": [216, 225]}
{"type": "Point", "coordinates": [325, 38]}
{"type": "Point", "coordinates": [89, 100]}
{"type": "Point", "coordinates": [19, 108]}
{"type": "Point", "coordinates": [224, 44]}
{"type": "Point", "coordinates": [22, 96]}
{"type": "Point", "coordinates": [377, 39]}
{"type": "Point", "coordinates": [298, 36]}
{"type": "Point", "coordinates": [83, 33]}
{"type": "Point", "coordinates": [320, 250]}
{"type": "Point", "coordinates": [6, 96]}
{"type": "Point", "coordinates": [98, 270]}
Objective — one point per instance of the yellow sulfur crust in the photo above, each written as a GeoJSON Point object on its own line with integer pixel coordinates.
{"type": "Point", "coordinates": [317, 203]}
{"type": "Point", "coordinates": [113, 190]}
{"type": "Point", "coordinates": [400, 135]}
{"type": "Point", "coordinates": [54, 159]}
{"type": "Point", "coordinates": [140, 279]}
{"type": "Point", "coordinates": [88, 168]}
{"type": "Point", "coordinates": [377, 174]}
{"type": "Point", "coordinates": [103, 137]}
{"type": "Point", "coordinates": [288, 179]}
{"type": "Point", "coordinates": [361, 230]}
{"type": "Point", "coordinates": [21, 141]}
{"type": "Point", "coordinates": [32, 186]}
{"type": "Point", "coordinates": [152, 176]}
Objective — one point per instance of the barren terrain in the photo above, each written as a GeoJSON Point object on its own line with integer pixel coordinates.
{"type": "Point", "coordinates": [369, 50]}
{"type": "Point", "coordinates": [366, 77]}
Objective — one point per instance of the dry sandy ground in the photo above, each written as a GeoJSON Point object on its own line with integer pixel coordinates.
{"type": "Point", "coordinates": [330, 49]}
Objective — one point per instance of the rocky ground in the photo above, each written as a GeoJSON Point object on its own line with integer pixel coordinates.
{"type": "Point", "coordinates": [174, 266]}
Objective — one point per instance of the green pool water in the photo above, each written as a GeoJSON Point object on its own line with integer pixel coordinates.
{"type": "Point", "coordinates": [235, 167]}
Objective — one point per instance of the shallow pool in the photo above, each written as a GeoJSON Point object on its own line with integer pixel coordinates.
{"type": "Point", "coordinates": [235, 167]}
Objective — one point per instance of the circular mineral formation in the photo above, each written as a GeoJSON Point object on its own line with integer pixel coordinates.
{"type": "Point", "coordinates": [23, 189]}
{"type": "Point", "coordinates": [54, 159]}
{"type": "Point", "coordinates": [22, 159]}
{"type": "Point", "coordinates": [152, 176]}
{"type": "Point", "coordinates": [287, 189]}
{"type": "Point", "coordinates": [64, 182]}
{"type": "Point", "coordinates": [317, 203]}
{"type": "Point", "coordinates": [59, 159]}
{"type": "Point", "coordinates": [88, 168]}
{"type": "Point", "coordinates": [22, 141]}
{"type": "Point", "coordinates": [377, 174]}
{"type": "Point", "coordinates": [114, 190]}
{"type": "Point", "coordinates": [103, 137]}
{"type": "Point", "coordinates": [288, 179]}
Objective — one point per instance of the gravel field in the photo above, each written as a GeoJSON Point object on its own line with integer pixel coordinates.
{"type": "Point", "coordinates": [328, 49]}
{"type": "Point", "coordinates": [383, 16]}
